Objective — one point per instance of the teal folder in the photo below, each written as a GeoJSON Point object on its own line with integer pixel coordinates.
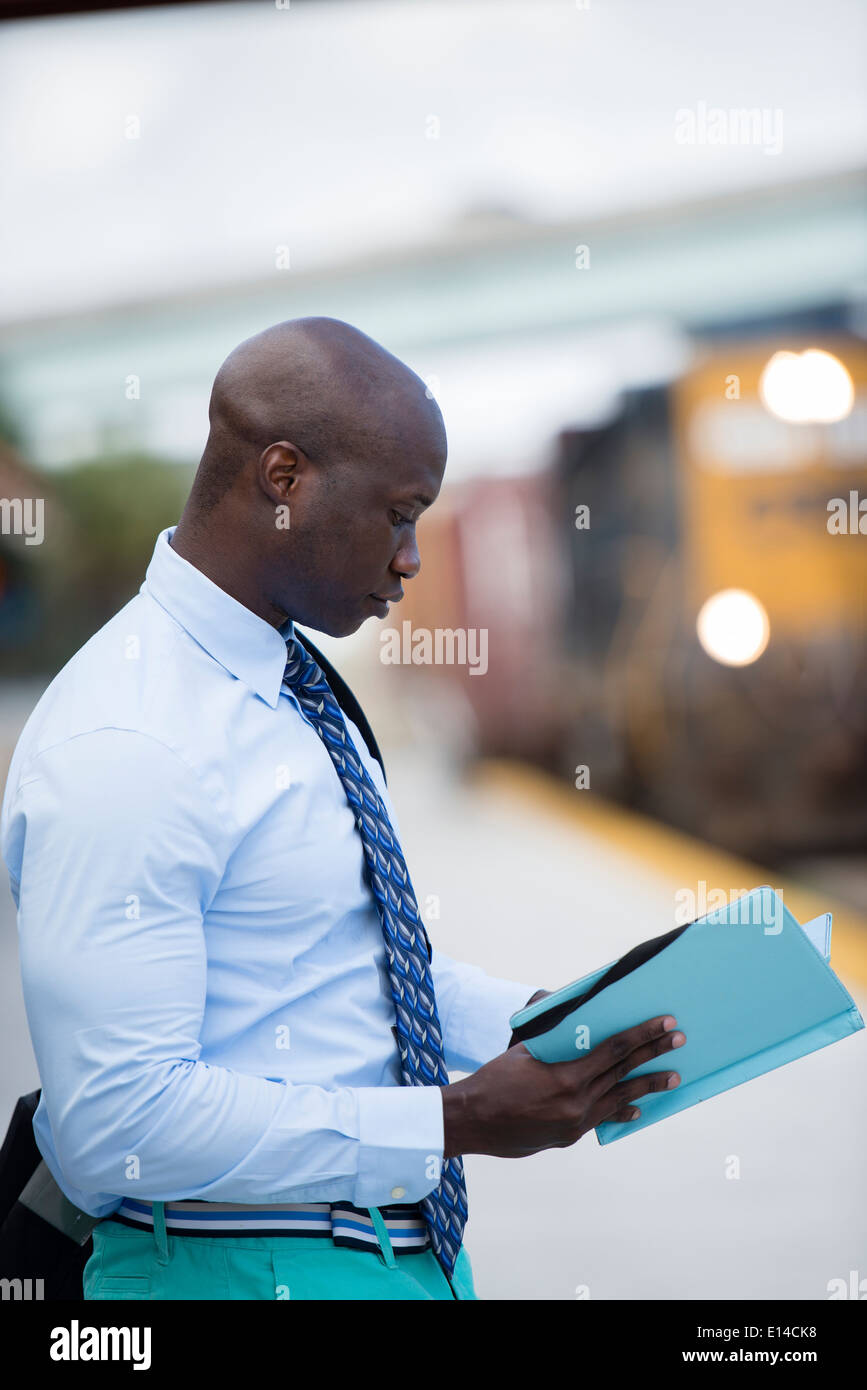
{"type": "Point", "coordinates": [749, 986]}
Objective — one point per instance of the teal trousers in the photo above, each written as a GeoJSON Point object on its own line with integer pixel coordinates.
{"type": "Point", "coordinates": [130, 1264]}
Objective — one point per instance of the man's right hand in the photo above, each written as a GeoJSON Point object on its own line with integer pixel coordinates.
{"type": "Point", "coordinates": [516, 1105]}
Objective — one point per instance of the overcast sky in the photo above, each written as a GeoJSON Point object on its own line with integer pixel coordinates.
{"type": "Point", "coordinates": [309, 127]}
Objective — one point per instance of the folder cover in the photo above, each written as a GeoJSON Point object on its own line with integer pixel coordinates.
{"type": "Point", "coordinates": [750, 988]}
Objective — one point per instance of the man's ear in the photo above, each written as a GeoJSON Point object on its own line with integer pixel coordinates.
{"type": "Point", "coordinates": [280, 466]}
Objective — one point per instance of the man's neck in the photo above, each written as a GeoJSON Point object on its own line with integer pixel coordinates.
{"type": "Point", "coordinates": [221, 563]}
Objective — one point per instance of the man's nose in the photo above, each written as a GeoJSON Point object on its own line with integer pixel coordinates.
{"type": "Point", "coordinates": [407, 561]}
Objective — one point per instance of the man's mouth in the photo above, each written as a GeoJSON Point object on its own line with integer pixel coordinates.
{"type": "Point", "coordinates": [383, 600]}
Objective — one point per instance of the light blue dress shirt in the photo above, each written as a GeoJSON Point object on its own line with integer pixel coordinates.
{"type": "Point", "coordinates": [202, 960]}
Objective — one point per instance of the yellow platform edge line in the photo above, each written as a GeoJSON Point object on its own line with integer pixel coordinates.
{"type": "Point", "coordinates": [678, 858]}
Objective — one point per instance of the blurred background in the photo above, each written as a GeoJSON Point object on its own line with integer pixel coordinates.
{"type": "Point", "coordinates": [625, 245]}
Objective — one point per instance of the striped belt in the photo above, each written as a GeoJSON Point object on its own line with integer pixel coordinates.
{"type": "Point", "coordinates": [339, 1222]}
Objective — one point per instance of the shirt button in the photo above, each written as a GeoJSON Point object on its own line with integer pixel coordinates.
{"type": "Point", "coordinates": [398, 1192]}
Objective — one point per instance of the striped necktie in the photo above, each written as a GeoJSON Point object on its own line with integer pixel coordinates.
{"type": "Point", "coordinates": [407, 950]}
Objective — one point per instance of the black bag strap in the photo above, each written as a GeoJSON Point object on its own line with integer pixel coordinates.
{"type": "Point", "coordinates": [348, 703]}
{"type": "Point", "coordinates": [345, 699]}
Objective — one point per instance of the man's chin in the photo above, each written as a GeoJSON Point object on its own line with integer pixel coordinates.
{"type": "Point", "coordinates": [338, 627]}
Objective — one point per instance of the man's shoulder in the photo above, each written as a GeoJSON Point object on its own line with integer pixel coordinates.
{"type": "Point", "coordinates": [119, 732]}
{"type": "Point", "coordinates": [132, 676]}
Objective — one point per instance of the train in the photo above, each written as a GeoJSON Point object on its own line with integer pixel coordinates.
{"type": "Point", "coordinates": [674, 601]}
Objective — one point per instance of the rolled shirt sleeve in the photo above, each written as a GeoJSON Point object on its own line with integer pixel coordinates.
{"type": "Point", "coordinates": [121, 849]}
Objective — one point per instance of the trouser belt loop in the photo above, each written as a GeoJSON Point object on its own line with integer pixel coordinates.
{"type": "Point", "coordinates": [383, 1237]}
{"type": "Point", "coordinates": [161, 1239]}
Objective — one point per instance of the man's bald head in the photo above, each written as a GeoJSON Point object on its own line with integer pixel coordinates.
{"type": "Point", "coordinates": [323, 451]}
{"type": "Point", "coordinates": [317, 382]}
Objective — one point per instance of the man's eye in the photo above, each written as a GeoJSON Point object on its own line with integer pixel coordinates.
{"type": "Point", "coordinates": [398, 520]}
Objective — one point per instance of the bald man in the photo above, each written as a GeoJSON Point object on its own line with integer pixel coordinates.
{"type": "Point", "coordinates": [241, 1026]}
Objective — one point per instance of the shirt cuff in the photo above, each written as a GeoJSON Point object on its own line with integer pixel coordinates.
{"type": "Point", "coordinates": [401, 1134]}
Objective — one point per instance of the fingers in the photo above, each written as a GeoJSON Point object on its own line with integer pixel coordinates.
{"type": "Point", "coordinates": [626, 1113]}
{"type": "Point", "coordinates": [598, 1091]}
{"type": "Point", "coordinates": [620, 1046]}
{"type": "Point", "coordinates": [667, 1042]}
{"type": "Point", "coordinates": [609, 1106]}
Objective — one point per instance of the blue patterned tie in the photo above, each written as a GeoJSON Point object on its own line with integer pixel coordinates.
{"type": "Point", "coordinates": [406, 944]}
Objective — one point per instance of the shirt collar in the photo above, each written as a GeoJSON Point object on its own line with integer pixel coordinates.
{"type": "Point", "coordinates": [247, 646]}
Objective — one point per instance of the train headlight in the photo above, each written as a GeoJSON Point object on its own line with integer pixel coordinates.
{"type": "Point", "coordinates": [733, 627]}
{"type": "Point", "coordinates": [811, 387]}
